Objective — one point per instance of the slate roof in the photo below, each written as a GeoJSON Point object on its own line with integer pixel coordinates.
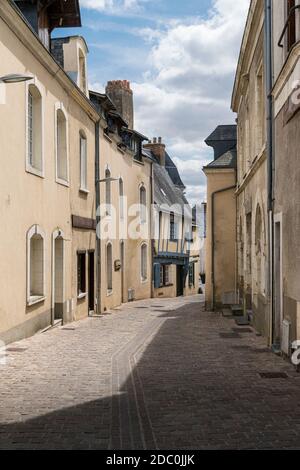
{"type": "Point", "coordinates": [227, 160]}
{"type": "Point", "coordinates": [173, 172]}
{"type": "Point", "coordinates": [222, 133]}
{"type": "Point", "coordinates": [165, 193]}
{"type": "Point", "coordinates": [168, 186]}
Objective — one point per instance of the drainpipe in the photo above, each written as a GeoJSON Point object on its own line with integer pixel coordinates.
{"type": "Point", "coordinates": [152, 230]}
{"type": "Point", "coordinates": [270, 163]}
{"type": "Point", "coordinates": [213, 197]}
{"type": "Point", "coordinates": [97, 199]}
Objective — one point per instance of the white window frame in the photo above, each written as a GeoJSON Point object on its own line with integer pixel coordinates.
{"type": "Point", "coordinates": [33, 299]}
{"type": "Point", "coordinates": [143, 207]}
{"type": "Point", "coordinates": [83, 184]}
{"type": "Point", "coordinates": [29, 167]}
{"type": "Point", "coordinates": [121, 199]}
{"type": "Point", "coordinates": [60, 107]}
{"type": "Point", "coordinates": [108, 192]}
{"type": "Point", "coordinates": [144, 262]}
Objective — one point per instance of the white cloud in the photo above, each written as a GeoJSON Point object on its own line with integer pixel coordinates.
{"type": "Point", "coordinates": [113, 6]}
{"type": "Point", "coordinates": [187, 89]}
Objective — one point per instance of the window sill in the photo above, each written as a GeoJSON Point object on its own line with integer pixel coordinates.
{"type": "Point", "coordinates": [34, 171]}
{"type": "Point", "coordinates": [144, 281]}
{"type": "Point", "coordinates": [84, 191]}
{"type": "Point", "coordinates": [109, 293]}
{"type": "Point", "coordinates": [63, 182]}
{"type": "Point", "coordinates": [81, 296]}
{"type": "Point", "coordinates": [138, 162]}
{"type": "Point", "coordinates": [35, 299]}
{"type": "Point", "coordinates": [107, 138]}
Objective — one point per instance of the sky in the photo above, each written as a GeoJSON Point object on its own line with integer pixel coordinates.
{"type": "Point", "coordinates": [180, 57]}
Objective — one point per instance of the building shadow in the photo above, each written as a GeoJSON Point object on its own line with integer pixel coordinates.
{"type": "Point", "coordinates": [185, 388]}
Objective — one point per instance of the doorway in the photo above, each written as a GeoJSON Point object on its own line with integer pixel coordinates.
{"type": "Point", "coordinates": [91, 281]}
{"type": "Point", "coordinates": [122, 249]}
{"type": "Point", "coordinates": [278, 291]}
{"type": "Point", "coordinates": [58, 277]}
{"type": "Point", "coordinates": [179, 281]}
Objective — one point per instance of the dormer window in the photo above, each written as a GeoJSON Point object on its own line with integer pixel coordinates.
{"type": "Point", "coordinates": [82, 71]}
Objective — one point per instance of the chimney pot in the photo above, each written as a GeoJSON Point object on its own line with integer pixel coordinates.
{"type": "Point", "coordinates": [154, 140]}
{"type": "Point", "coordinates": [159, 140]}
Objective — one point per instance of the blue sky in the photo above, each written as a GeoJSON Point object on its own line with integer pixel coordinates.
{"type": "Point", "coordinates": [180, 57]}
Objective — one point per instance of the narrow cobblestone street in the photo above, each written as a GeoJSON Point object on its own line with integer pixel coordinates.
{"type": "Point", "coordinates": [158, 374]}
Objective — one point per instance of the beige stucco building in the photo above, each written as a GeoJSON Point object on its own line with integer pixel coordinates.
{"type": "Point", "coordinates": [175, 229]}
{"type": "Point", "coordinates": [125, 197]}
{"type": "Point", "coordinates": [69, 151]}
{"type": "Point", "coordinates": [220, 243]}
{"type": "Point", "coordinates": [249, 102]}
{"type": "Point", "coordinates": [285, 50]}
{"type": "Point", "coordinates": [47, 182]}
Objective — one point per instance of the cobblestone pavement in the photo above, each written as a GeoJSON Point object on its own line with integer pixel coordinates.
{"type": "Point", "coordinates": [156, 374]}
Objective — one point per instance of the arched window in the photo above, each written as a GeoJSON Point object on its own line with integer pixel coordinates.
{"type": "Point", "coordinates": [143, 204]}
{"type": "Point", "coordinates": [62, 171]}
{"type": "Point", "coordinates": [83, 161]}
{"type": "Point", "coordinates": [35, 265]}
{"type": "Point", "coordinates": [258, 247]}
{"type": "Point", "coordinates": [144, 273]}
{"type": "Point", "coordinates": [109, 267]}
{"type": "Point", "coordinates": [34, 161]}
{"type": "Point", "coordinates": [108, 192]}
{"type": "Point", "coordinates": [121, 196]}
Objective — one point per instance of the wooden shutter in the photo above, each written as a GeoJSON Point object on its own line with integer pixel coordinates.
{"type": "Point", "coordinates": [156, 274]}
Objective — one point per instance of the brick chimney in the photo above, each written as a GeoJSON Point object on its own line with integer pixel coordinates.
{"type": "Point", "coordinates": [120, 93]}
{"type": "Point", "coordinates": [158, 149]}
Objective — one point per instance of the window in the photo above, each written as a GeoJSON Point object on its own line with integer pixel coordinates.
{"type": "Point", "coordinates": [258, 248]}
{"type": "Point", "coordinates": [249, 244]}
{"type": "Point", "coordinates": [260, 111]}
{"type": "Point", "coordinates": [34, 161]}
{"type": "Point", "coordinates": [109, 267]}
{"type": "Point", "coordinates": [161, 283]}
{"type": "Point", "coordinates": [61, 146]}
{"type": "Point", "coordinates": [83, 162]}
{"type": "Point", "coordinates": [81, 274]}
{"type": "Point", "coordinates": [173, 228]}
{"type": "Point", "coordinates": [165, 275]}
{"type": "Point", "coordinates": [35, 265]}
{"type": "Point", "coordinates": [167, 279]}
{"type": "Point", "coordinates": [121, 196]}
{"type": "Point", "coordinates": [291, 32]}
{"type": "Point", "coordinates": [192, 275]}
{"type": "Point", "coordinates": [143, 205]}
{"type": "Point", "coordinates": [108, 192]}
{"type": "Point", "coordinates": [82, 71]}
{"type": "Point", "coordinates": [144, 274]}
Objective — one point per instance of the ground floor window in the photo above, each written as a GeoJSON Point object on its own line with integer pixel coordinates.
{"type": "Point", "coordinates": [192, 275]}
{"type": "Point", "coordinates": [35, 264]}
{"type": "Point", "coordinates": [81, 274]}
{"type": "Point", "coordinates": [165, 275]}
